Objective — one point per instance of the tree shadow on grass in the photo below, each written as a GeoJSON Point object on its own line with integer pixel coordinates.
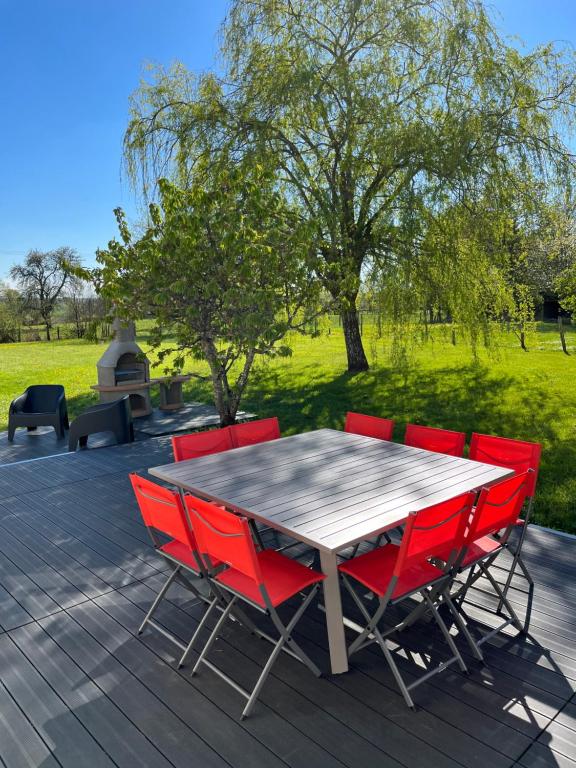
{"type": "Point", "coordinates": [468, 398]}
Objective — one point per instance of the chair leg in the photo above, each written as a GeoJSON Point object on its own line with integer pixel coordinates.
{"type": "Point", "coordinates": [158, 599]}
{"type": "Point", "coordinates": [196, 634]}
{"type": "Point", "coordinates": [462, 626]}
{"type": "Point", "coordinates": [393, 666]}
{"type": "Point", "coordinates": [214, 634]}
{"type": "Point", "coordinates": [516, 562]}
{"type": "Point", "coordinates": [262, 679]}
{"type": "Point", "coordinates": [284, 639]}
{"type": "Point", "coordinates": [287, 632]}
{"type": "Point", "coordinates": [505, 602]}
{"type": "Point", "coordinates": [445, 631]}
{"type": "Point", "coordinates": [372, 621]}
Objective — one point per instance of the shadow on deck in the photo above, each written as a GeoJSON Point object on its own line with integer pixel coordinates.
{"type": "Point", "coordinates": [79, 688]}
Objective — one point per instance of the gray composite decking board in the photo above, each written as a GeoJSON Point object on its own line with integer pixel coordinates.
{"type": "Point", "coordinates": [311, 485]}
{"type": "Point", "coordinates": [80, 577]}
{"type": "Point", "coordinates": [303, 680]}
{"type": "Point", "coordinates": [12, 614]}
{"type": "Point", "coordinates": [20, 744]}
{"type": "Point", "coordinates": [129, 692]}
{"type": "Point", "coordinates": [542, 756]}
{"type": "Point", "coordinates": [211, 722]}
{"type": "Point", "coordinates": [560, 738]}
{"type": "Point", "coordinates": [308, 715]}
{"type": "Point", "coordinates": [292, 743]}
{"type": "Point", "coordinates": [435, 696]}
{"type": "Point", "coordinates": [103, 541]}
{"type": "Point", "coordinates": [72, 743]}
{"type": "Point", "coordinates": [115, 512]}
{"type": "Point", "coordinates": [22, 589]}
{"type": "Point", "coordinates": [471, 690]}
{"type": "Point", "coordinates": [562, 634]}
{"type": "Point", "coordinates": [504, 663]}
{"type": "Point", "coordinates": [123, 741]}
{"type": "Point", "coordinates": [300, 680]}
{"type": "Point", "coordinates": [523, 692]}
{"type": "Point", "coordinates": [92, 515]}
{"type": "Point", "coordinates": [103, 568]}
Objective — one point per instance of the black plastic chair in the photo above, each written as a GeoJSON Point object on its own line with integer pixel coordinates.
{"type": "Point", "coordinates": [41, 405]}
{"type": "Point", "coordinates": [113, 417]}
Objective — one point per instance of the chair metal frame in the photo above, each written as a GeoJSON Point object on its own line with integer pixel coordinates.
{"type": "Point", "coordinates": [433, 593]}
{"type": "Point", "coordinates": [479, 452]}
{"type": "Point", "coordinates": [520, 485]}
{"type": "Point", "coordinates": [198, 511]}
{"type": "Point", "coordinates": [171, 499]}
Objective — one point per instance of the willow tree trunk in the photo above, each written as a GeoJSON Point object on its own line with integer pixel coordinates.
{"type": "Point", "coordinates": [357, 360]}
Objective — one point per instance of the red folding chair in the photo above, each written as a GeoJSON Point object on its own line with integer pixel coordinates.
{"type": "Point", "coordinates": [253, 432]}
{"type": "Point", "coordinates": [497, 509]}
{"type": "Point", "coordinates": [198, 444]}
{"type": "Point", "coordinates": [395, 573]}
{"type": "Point", "coordinates": [165, 519]}
{"type": "Point", "coordinates": [369, 426]}
{"type": "Point", "coordinates": [434, 439]}
{"type": "Point", "coordinates": [263, 579]}
{"type": "Point", "coordinates": [519, 456]}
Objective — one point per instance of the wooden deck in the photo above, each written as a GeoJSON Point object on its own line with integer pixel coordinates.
{"type": "Point", "coordinates": [79, 688]}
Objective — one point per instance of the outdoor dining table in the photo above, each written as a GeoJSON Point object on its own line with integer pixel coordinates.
{"type": "Point", "coordinates": [329, 489]}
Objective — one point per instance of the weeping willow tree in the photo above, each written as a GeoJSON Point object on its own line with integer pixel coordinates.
{"type": "Point", "coordinates": [476, 262]}
{"type": "Point", "coordinates": [358, 104]}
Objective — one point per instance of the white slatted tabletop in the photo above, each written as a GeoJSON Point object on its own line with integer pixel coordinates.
{"type": "Point", "coordinates": [329, 489]}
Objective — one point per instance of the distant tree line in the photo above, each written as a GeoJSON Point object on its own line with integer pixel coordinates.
{"type": "Point", "coordinates": [44, 291]}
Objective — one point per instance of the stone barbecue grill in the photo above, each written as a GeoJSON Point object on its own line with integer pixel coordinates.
{"type": "Point", "coordinates": [125, 369]}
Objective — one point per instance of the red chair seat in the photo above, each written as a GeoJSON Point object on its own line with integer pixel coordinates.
{"type": "Point", "coordinates": [375, 569]}
{"type": "Point", "coordinates": [281, 576]}
{"type": "Point", "coordinates": [478, 550]}
{"type": "Point", "coordinates": [182, 553]}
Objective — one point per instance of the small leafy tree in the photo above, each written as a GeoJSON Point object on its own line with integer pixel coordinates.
{"type": "Point", "coordinates": [223, 269]}
{"type": "Point", "coordinates": [42, 279]}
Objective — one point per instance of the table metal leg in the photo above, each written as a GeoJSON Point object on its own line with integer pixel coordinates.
{"type": "Point", "coordinates": [334, 617]}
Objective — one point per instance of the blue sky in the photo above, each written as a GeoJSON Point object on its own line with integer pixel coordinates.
{"type": "Point", "coordinates": [67, 70]}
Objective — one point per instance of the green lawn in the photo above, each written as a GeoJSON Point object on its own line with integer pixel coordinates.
{"type": "Point", "coordinates": [528, 395]}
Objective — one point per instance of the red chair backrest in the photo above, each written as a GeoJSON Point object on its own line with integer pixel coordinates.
{"type": "Point", "coordinates": [255, 432]}
{"type": "Point", "coordinates": [198, 444]}
{"type": "Point", "coordinates": [434, 530]}
{"type": "Point", "coordinates": [224, 536]}
{"type": "Point", "coordinates": [162, 510]}
{"type": "Point", "coordinates": [498, 506]}
{"type": "Point", "coordinates": [517, 455]}
{"type": "Point", "coordinates": [434, 439]}
{"type": "Point", "coordinates": [369, 426]}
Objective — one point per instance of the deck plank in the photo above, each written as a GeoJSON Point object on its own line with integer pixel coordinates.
{"type": "Point", "coordinates": [79, 688]}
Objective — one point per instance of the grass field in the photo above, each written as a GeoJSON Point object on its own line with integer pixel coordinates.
{"type": "Point", "coordinates": [529, 395]}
